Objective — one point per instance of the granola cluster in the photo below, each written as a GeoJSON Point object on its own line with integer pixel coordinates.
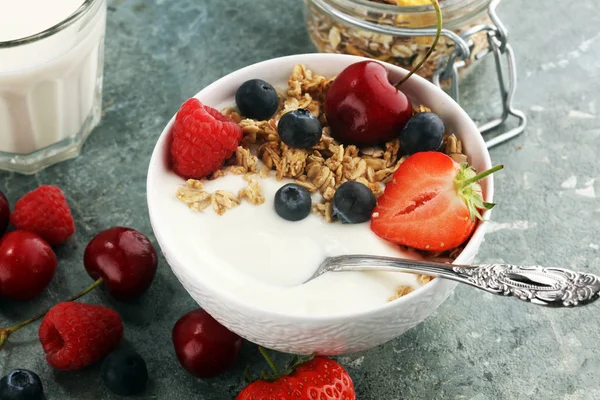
{"type": "Point", "coordinates": [197, 199]}
{"type": "Point", "coordinates": [403, 290]}
{"type": "Point", "coordinates": [331, 36]}
{"type": "Point", "coordinates": [322, 168]}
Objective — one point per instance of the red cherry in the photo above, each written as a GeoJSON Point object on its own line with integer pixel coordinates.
{"type": "Point", "coordinates": [363, 107]}
{"type": "Point", "coordinates": [4, 213]}
{"type": "Point", "coordinates": [27, 265]}
{"type": "Point", "coordinates": [125, 259]}
{"type": "Point", "coordinates": [204, 347]}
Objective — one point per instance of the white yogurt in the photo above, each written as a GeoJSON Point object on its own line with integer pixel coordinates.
{"type": "Point", "coordinates": [263, 259]}
{"type": "Point", "coordinates": [50, 88]}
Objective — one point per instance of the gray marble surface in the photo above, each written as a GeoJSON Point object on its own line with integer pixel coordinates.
{"type": "Point", "coordinates": [160, 52]}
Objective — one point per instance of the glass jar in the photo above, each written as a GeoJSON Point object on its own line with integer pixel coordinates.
{"type": "Point", "coordinates": [345, 26]}
{"type": "Point", "coordinates": [50, 84]}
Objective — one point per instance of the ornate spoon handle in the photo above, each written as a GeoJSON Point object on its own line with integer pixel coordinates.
{"type": "Point", "coordinates": [552, 287]}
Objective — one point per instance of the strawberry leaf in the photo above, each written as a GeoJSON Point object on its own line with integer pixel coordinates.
{"type": "Point", "coordinates": [470, 191]}
{"type": "Point", "coordinates": [275, 372]}
{"type": "Point", "coordinates": [295, 362]}
{"type": "Point", "coordinates": [488, 206]}
{"type": "Point", "coordinates": [248, 378]}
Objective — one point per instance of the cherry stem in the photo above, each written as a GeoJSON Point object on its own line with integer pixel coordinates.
{"type": "Point", "coordinates": [269, 360]}
{"type": "Point", "coordinates": [6, 332]}
{"type": "Point", "coordinates": [482, 175]}
{"type": "Point", "coordinates": [438, 13]}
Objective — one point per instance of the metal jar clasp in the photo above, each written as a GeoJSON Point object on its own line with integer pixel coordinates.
{"type": "Point", "coordinates": [497, 36]}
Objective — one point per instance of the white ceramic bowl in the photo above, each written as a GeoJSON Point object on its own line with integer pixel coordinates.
{"type": "Point", "coordinates": [325, 335]}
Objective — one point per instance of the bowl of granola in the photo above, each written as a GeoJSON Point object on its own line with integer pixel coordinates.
{"type": "Point", "coordinates": [245, 208]}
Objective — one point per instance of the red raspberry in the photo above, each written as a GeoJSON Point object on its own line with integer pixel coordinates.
{"type": "Point", "coordinates": [203, 139]}
{"type": "Point", "coordinates": [44, 211]}
{"type": "Point", "coordinates": [76, 335]}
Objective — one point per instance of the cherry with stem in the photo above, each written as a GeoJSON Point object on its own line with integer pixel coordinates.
{"type": "Point", "coordinates": [6, 332]}
{"type": "Point", "coordinates": [363, 107]}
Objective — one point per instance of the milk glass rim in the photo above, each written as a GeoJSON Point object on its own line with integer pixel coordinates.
{"type": "Point", "coordinates": [83, 9]}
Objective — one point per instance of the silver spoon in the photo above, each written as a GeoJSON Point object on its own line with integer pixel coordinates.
{"type": "Point", "coordinates": [552, 287]}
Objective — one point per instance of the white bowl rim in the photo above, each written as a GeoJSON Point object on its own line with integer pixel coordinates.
{"type": "Point", "coordinates": [433, 285]}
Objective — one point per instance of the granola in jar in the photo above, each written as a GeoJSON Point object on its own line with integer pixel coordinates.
{"type": "Point", "coordinates": [331, 34]}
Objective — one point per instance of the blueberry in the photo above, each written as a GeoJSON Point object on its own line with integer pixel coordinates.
{"type": "Point", "coordinates": [353, 203]}
{"type": "Point", "coordinates": [300, 129]}
{"type": "Point", "coordinates": [257, 99]}
{"type": "Point", "coordinates": [423, 132]}
{"type": "Point", "coordinates": [21, 384]}
{"type": "Point", "coordinates": [124, 372]}
{"type": "Point", "coordinates": [293, 202]}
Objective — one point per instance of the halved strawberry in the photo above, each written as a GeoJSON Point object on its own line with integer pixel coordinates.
{"type": "Point", "coordinates": [431, 204]}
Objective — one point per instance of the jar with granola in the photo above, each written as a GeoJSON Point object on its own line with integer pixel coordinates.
{"type": "Point", "coordinates": [392, 30]}
{"type": "Point", "coordinates": [401, 32]}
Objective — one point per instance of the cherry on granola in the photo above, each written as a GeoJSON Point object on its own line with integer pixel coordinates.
{"type": "Point", "coordinates": [300, 129]}
{"type": "Point", "coordinates": [257, 99]}
{"type": "Point", "coordinates": [363, 107]}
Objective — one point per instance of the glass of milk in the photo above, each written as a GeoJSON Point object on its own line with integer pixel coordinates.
{"type": "Point", "coordinates": [51, 65]}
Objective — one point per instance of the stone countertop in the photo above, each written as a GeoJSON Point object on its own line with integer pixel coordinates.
{"type": "Point", "coordinates": [159, 53]}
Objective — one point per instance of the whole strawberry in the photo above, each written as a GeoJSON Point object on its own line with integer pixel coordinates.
{"type": "Point", "coordinates": [202, 139]}
{"type": "Point", "coordinates": [319, 378]}
{"type": "Point", "coordinates": [75, 335]}
{"type": "Point", "coordinates": [44, 211]}
{"type": "Point", "coordinates": [432, 204]}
